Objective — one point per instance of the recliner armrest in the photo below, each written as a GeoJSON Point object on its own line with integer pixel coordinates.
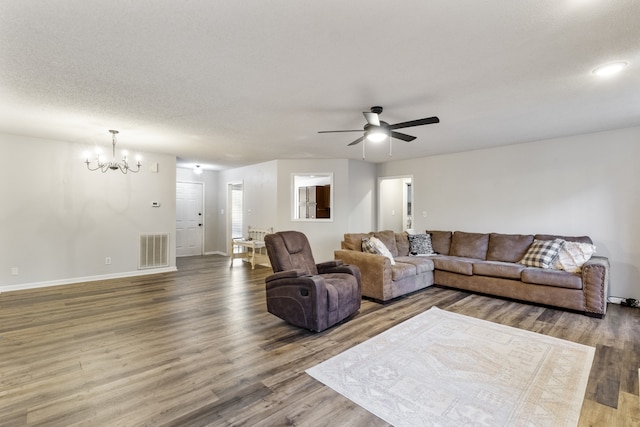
{"type": "Point", "coordinates": [328, 264]}
{"type": "Point", "coordinates": [338, 266]}
{"type": "Point", "coordinates": [285, 275]}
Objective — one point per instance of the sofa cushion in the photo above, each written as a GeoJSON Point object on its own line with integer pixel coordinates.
{"type": "Point", "coordinates": [454, 264]}
{"type": "Point", "coordinates": [402, 270]}
{"type": "Point", "coordinates": [420, 244]}
{"type": "Point", "coordinates": [388, 237]}
{"type": "Point", "coordinates": [441, 241]}
{"type": "Point", "coordinates": [573, 255]}
{"type": "Point", "coordinates": [422, 264]}
{"type": "Point", "coordinates": [560, 279]}
{"type": "Point", "coordinates": [402, 243]}
{"type": "Point", "coordinates": [508, 247]}
{"type": "Point", "coordinates": [469, 245]}
{"type": "Point", "coordinates": [353, 241]}
{"type": "Point", "coordinates": [542, 253]}
{"type": "Point", "coordinates": [505, 270]}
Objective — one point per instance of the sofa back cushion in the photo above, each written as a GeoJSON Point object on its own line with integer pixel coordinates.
{"type": "Point", "coordinates": [388, 237]}
{"type": "Point", "coordinates": [469, 245]}
{"type": "Point", "coordinates": [580, 239]}
{"type": "Point", "coordinates": [508, 247]}
{"type": "Point", "coordinates": [402, 243]}
{"type": "Point", "coordinates": [353, 241]}
{"type": "Point", "coordinates": [441, 241]}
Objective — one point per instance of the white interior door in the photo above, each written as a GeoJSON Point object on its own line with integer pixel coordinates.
{"type": "Point", "coordinates": [189, 218]}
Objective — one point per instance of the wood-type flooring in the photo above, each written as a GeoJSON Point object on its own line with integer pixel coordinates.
{"type": "Point", "coordinates": [197, 347]}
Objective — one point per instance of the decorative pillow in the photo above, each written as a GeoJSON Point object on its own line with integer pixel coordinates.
{"type": "Point", "coordinates": [367, 246]}
{"type": "Point", "coordinates": [542, 253]}
{"type": "Point", "coordinates": [420, 244]}
{"type": "Point", "coordinates": [573, 255]}
{"type": "Point", "coordinates": [375, 246]}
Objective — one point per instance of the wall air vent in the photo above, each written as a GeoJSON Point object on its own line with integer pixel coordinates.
{"type": "Point", "coordinates": [154, 250]}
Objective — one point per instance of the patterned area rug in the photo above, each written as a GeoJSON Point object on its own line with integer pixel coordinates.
{"type": "Point", "coordinates": [444, 369]}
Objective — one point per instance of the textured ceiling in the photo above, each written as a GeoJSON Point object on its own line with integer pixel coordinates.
{"type": "Point", "coordinates": [230, 83]}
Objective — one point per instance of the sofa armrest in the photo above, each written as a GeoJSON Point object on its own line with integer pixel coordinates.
{"type": "Point", "coordinates": [375, 271]}
{"type": "Point", "coordinates": [595, 285]}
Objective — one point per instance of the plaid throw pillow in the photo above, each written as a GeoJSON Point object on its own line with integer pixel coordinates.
{"type": "Point", "coordinates": [542, 253]}
{"type": "Point", "coordinates": [420, 244]}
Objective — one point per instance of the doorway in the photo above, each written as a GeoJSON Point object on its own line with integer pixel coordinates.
{"type": "Point", "coordinates": [395, 199]}
{"type": "Point", "coordinates": [235, 196]}
{"type": "Point", "coordinates": [189, 218]}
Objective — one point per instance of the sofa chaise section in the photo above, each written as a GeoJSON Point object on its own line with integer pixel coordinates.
{"type": "Point", "coordinates": [381, 280]}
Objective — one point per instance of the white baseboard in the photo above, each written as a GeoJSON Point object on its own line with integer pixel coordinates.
{"type": "Point", "coordinates": [35, 285]}
{"type": "Point", "coordinates": [216, 253]}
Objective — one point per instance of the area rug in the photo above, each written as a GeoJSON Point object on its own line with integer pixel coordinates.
{"type": "Point", "coordinates": [445, 369]}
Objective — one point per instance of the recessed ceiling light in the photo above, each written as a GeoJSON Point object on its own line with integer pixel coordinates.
{"type": "Point", "coordinates": [610, 68]}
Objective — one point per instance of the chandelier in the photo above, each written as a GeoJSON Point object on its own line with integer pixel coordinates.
{"type": "Point", "coordinates": [103, 165]}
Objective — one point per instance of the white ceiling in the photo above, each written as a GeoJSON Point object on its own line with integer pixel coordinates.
{"type": "Point", "coordinates": [228, 83]}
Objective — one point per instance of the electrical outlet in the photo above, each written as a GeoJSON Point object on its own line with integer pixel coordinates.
{"type": "Point", "coordinates": [14, 271]}
{"type": "Point", "coordinates": [107, 260]}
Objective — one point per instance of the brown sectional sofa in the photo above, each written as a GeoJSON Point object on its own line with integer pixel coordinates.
{"type": "Point", "coordinates": [486, 263]}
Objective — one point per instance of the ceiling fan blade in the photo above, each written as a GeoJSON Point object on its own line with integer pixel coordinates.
{"type": "Point", "coordinates": [357, 141]}
{"type": "Point", "coordinates": [336, 131]}
{"type": "Point", "coordinates": [402, 136]}
{"type": "Point", "coordinates": [372, 119]}
{"type": "Point", "coordinates": [419, 122]}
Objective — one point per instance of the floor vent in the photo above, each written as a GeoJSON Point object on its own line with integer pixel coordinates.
{"type": "Point", "coordinates": [154, 250]}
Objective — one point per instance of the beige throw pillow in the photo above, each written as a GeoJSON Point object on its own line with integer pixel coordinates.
{"type": "Point", "coordinates": [573, 255]}
{"type": "Point", "coordinates": [381, 249]}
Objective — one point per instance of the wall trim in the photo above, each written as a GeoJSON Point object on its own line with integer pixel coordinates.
{"type": "Point", "coordinates": [36, 285]}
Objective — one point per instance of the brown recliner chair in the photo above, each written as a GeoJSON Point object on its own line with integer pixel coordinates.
{"type": "Point", "coordinates": [306, 294]}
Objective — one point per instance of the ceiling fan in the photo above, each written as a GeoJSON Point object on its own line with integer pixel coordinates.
{"type": "Point", "coordinates": [376, 130]}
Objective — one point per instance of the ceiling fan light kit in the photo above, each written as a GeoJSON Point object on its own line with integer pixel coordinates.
{"type": "Point", "coordinates": [610, 69]}
{"type": "Point", "coordinates": [376, 130]}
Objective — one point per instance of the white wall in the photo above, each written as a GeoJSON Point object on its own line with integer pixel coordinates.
{"type": "Point", "coordinates": [362, 197]}
{"type": "Point", "coordinates": [259, 202]}
{"type": "Point", "coordinates": [323, 236]}
{"type": "Point", "coordinates": [267, 193]}
{"type": "Point", "coordinates": [60, 221]}
{"type": "Point", "coordinates": [581, 185]}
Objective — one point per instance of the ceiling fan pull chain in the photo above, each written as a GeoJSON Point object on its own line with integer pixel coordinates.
{"type": "Point", "coordinates": [390, 146]}
{"type": "Point", "coordinates": [364, 142]}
